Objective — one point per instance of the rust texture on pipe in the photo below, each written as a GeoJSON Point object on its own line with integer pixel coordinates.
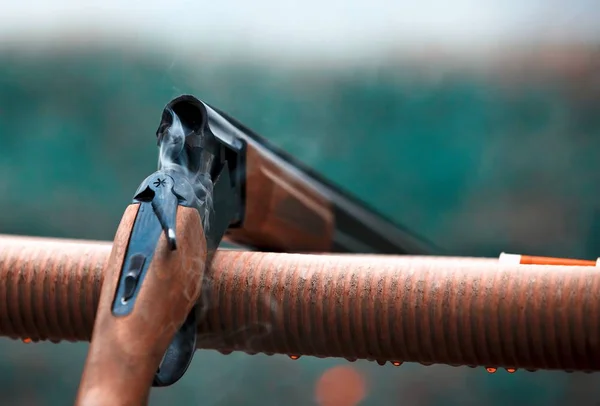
{"type": "Point", "coordinates": [456, 312]}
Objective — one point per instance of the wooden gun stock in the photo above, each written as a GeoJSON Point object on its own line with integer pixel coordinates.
{"type": "Point", "coordinates": [126, 351]}
{"type": "Point", "coordinates": [283, 212]}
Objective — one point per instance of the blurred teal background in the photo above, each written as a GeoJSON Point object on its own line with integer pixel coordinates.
{"type": "Point", "coordinates": [474, 124]}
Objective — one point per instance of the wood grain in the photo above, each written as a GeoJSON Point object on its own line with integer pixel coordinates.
{"type": "Point", "coordinates": [283, 212]}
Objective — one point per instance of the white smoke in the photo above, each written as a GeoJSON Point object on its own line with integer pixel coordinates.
{"type": "Point", "coordinates": [172, 159]}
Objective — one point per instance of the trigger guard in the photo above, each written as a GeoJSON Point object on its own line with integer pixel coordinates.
{"type": "Point", "coordinates": [179, 354]}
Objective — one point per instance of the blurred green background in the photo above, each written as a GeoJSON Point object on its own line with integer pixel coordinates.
{"type": "Point", "coordinates": [483, 151]}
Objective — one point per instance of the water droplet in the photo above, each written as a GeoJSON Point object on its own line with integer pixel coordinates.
{"type": "Point", "coordinates": [491, 370]}
{"type": "Point", "coordinates": [27, 340]}
{"type": "Point", "coordinates": [511, 370]}
{"type": "Point", "coordinates": [381, 362]}
{"type": "Point", "coordinates": [294, 357]}
{"type": "Point", "coordinates": [396, 363]}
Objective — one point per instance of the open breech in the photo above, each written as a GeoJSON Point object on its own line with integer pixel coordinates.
{"type": "Point", "coordinates": [215, 178]}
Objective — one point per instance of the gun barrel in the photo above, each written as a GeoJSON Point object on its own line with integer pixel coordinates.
{"type": "Point", "coordinates": [282, 205]}
{"type": "Point", "coordinates": [428, 310]}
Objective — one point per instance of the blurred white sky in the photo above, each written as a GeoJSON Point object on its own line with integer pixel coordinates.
{"type": "Point", "coordinates": [313, 26]}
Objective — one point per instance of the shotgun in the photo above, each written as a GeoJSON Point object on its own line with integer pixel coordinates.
{"type": "Point", "coordinates": [216, 180]}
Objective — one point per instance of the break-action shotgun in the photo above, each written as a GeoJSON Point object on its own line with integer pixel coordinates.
{"type": "Point", "coordinates": [216, 179]}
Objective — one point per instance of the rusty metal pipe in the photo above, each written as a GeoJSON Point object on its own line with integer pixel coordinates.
{"type": "Point", "coordinates": [457, 312]}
